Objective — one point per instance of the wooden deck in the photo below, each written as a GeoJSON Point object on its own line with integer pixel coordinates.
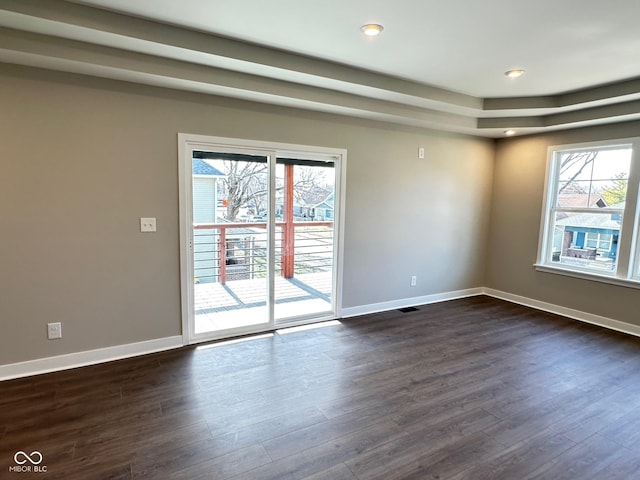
{"type": "Point", "coordinates": [243, 302]}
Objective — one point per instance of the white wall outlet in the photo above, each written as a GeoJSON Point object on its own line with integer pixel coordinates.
{"type": "Point", "coordinates": [414, 280]}
{"type": "Point", "coordinates": [421, 152]}
{"type": "Point", "coordinates": [54, 330]}
{"type": "Point", "coordinates": [147, 224]}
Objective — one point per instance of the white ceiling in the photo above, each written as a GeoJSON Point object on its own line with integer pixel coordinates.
{"type": "Point", "coordinates": [437, 64]}
{"type": "Point", "coordinates": [464, 46]}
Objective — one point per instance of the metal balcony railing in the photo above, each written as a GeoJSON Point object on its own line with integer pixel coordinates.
{"type": "Point", "coordinates": [235, 251]}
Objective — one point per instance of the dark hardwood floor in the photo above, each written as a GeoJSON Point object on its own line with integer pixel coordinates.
{"type": "Point", "coordinates": [468, 389]}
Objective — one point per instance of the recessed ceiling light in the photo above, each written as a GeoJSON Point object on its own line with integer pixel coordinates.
{"type": "Point", "coordinates": [509, 133]}
{"type": "Point", "coordinates": [515, 73]}
{"type": "Point", "coordinates": [372, 29]}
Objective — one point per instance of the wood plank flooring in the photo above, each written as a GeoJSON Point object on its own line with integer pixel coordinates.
{"type": "Point", "coordinates": [468, 389]}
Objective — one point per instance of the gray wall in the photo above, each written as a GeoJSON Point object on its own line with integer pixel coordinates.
{"type": "Point", "coordinates": [83, 159]}
{"type": "Point", "coordinates": [515, 223]}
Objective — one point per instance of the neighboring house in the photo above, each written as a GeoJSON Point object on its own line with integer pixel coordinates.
{"type": "Point", "coordinates": [205, 191]}
{"type": "Point", "coordinates": [319, 212]}
{"type": "Point", "coordinates": [205, 201]}
{"type": "Point", "coordinates": [323, 211]}
{"type": "Point", "coordinates": [589, 235]}
{"type": "Point", "coordinates": [578, 200]}
{"type": "Point", "coordinates": [240, 243]}
{"type": "Point", "coordinates": [301, 213]}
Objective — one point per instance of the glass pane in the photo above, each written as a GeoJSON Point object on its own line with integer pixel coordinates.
{"type": "Point", "coordinates": [586, 240]}
{"type": "Point", "coordinates": [611, 193]}
{"type": "Point", "coordinates": [304, 238]}
{"type": "Point", "coordinates": [576, 166]}
{"type": "Point", "coordinates": [594, 178]}
{"type": "Point", "coordinates": [229, 241]}
{"type": "Point", "coordinates": [576, 195]}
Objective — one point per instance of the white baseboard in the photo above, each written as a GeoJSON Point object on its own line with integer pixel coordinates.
{"type": "Point", "coordinates": [409, 302]}
{"type": "Point", "coordinates": [90, 357]}
{"type": "Point", "coordinates": [566, 312]}
{"type": "Point", "coordinates": [101, 355]}
{"type": "Point", "coordinates": [579, 315]}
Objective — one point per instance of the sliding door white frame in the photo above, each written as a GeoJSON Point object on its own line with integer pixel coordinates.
{"type": "Point", "coordinates": [187, 143]}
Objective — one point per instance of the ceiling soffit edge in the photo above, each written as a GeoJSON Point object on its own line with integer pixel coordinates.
{"type": "Point", "coordinates": [85, 40]}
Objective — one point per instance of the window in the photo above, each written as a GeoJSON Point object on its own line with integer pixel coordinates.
{"type": "Point", "coordinates": [599, 241]}
{"type": "Point", "coordinates": [590, 210]}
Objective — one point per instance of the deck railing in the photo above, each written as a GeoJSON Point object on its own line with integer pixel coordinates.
{"type": "Point", "coordinates": [233, 251]}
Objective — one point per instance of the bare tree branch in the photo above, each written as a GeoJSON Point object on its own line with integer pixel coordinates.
{"type": "Point", "coordinates": [573, 159]}
{"type": "Point", "coordinates": [246, 183]}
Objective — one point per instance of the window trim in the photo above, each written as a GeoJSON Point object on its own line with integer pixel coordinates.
{"type": "Point", "coordinates": [627, 269]}
{"type": "Point", "coordinates": [591, 276]}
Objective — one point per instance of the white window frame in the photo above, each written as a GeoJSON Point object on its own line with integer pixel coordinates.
{"type": "Point", "coordinates": [627, 269]}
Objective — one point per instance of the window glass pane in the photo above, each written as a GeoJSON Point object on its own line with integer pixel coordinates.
{"type": "Point", "coordinates": [604, 246]}
{"type": "Point", "coordinates": [578, 195]}
{"type": "Point", "coordinates": [610, 193]}
{"type": "Point", "coordinates": [586, 240]}
{"type": "Point", "coordinates": [577, 166]}
{"type": "Point", "coordinates": [593, 178]}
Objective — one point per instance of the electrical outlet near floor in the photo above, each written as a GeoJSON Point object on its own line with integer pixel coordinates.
{"type": "Point", "coordinates": [414, 280]}
{"type": "Point", "coordinates": [54, 330]}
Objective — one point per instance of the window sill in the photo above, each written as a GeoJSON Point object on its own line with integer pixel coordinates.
{"type": "Point", "coordinates": [593, 277]}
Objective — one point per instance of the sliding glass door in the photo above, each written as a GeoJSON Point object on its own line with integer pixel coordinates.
{"type": "Point", "coordinates": [305, 203]}
{"type": "Point", "coordinates": [259, 237]}
{"type": "Point", "coordinates": [230, 240]}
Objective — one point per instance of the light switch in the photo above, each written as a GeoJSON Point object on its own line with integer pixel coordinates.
{"type": "Point", "coordinates": [147, 224]}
